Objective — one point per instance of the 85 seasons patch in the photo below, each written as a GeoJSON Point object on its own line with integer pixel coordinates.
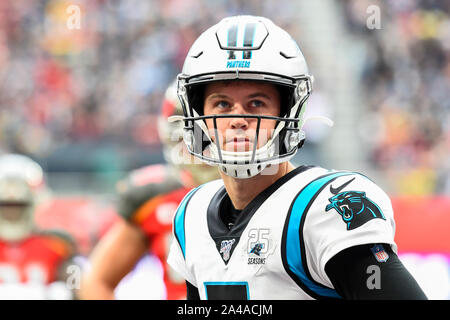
{"type": "Point", "coordinates": [258, 246]}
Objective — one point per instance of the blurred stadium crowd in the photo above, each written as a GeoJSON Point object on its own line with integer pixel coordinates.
{"type": "Point", "coordinates": [406, 79]}
{"type": "Point", "coordinates": [96, 90]}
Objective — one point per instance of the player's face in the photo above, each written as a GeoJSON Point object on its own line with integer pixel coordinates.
{"type": "Point", "coordinates": [12, 213]}
{"type": "Point", "coordinates": [239, 98]}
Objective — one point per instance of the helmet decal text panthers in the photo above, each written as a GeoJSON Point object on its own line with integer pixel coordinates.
{"type": "Point", "coordinates": [232, 42]}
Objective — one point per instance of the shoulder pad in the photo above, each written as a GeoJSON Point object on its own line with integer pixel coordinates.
{"type": "Point", "coordinates": [139, 187]}
{"type": "Point", "coordinates": [60, 240]}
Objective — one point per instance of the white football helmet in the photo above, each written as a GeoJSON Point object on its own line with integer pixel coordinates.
{"type": "Point", "coordinates": [16, 208]}
{"type": "Point", "coordinates": [245, 48]}
{"type": "Point", "coordinates": [25, 167]}
{"type": "Point", "coordinates": [22, 185]}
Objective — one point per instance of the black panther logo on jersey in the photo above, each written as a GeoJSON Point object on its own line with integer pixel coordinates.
{"type": "Point", "coordinates": [354, 207]}
{"type": "Point", "coordinates": [257, 249]}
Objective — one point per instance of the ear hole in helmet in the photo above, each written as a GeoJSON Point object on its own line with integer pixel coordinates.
{"type": "Point", "coordinates": [196, 96]}
{"type": "Point", "coordinates": [286, 99]}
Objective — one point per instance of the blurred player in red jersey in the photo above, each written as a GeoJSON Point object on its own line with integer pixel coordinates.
{"type": "Point", "coordinates": [33, 263]}
{"type": "Point", "coordinates": [148, 198]}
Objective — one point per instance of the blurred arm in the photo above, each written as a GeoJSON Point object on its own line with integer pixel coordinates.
{"type": "Point", "coordinates": [112, 259]}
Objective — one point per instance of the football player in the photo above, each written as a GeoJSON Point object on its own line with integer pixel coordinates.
{"type": "Point", "coordinates": [268, 230]}
{"type": "Point", "coordinates": [33, 263]}
{"type": "Point", "coordinates": [148, 198]}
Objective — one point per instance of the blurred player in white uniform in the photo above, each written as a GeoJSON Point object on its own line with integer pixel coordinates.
{"type": "Point", "coordinates": [33, 262]}
{"type": "Point", "coordinates": [268, 230]}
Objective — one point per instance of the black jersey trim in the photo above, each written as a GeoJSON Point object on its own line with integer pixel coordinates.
{"type": "Point", "coordinates": [219, 231]}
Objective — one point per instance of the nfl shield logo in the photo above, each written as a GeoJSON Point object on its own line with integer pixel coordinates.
{"type": "Point", "coordinates": [225, 248]}
{"type": "Point", "coordinates": [379, 253]}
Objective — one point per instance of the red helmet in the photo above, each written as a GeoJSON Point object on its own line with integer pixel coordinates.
{"type": "Point", "coordinates": [171, 136]}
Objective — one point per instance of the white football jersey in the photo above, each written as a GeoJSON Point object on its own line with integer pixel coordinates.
{"type": "Point", "coordinates": [281, 242]}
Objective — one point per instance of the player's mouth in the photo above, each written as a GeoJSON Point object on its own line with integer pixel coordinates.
{"type": "Point", "coordinates": [239, 143]}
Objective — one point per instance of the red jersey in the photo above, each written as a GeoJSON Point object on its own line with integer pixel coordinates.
{"type": "Point", "coordinates": [36, 259]}
{"type": "Point", "coordinates": [149, 199]}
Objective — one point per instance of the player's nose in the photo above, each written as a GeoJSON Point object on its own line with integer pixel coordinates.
{"type": "Point", "coordinates": [239, 122]}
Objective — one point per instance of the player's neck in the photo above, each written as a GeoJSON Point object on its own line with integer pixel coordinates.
{"type": "Point", "coordinates": [243, 191]}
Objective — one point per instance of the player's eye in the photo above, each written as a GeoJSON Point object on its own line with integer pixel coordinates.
{"type": "Point", "coordinates": [256, 103]}
{"type": "Point", "coordinates": [222, 104]}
